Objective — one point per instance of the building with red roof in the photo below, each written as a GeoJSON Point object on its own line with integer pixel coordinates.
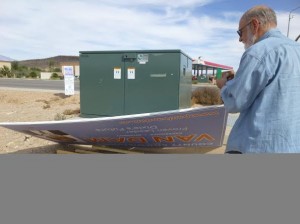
{"type": "Point", "coordinates": [205, 71]}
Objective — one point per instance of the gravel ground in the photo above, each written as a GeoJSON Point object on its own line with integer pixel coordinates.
{"type": "Point", "coordinates": [25, 105]}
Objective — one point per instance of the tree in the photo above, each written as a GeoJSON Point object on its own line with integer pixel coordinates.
{"type": "Point", "coordinates": [19, 71]}
{"type": "Point", "coordinates": [14, 66]}
{"type": "Point", "coordinates": [51, 65]}
{"type": "Point", "coordinates": [57, 70]}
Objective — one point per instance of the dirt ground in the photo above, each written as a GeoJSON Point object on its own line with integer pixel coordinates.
{"type": "Point", "coordinates": [26, 105]}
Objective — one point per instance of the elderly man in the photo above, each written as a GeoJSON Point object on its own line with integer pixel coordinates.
{"type": "Point", "coordinates": [265, 89]}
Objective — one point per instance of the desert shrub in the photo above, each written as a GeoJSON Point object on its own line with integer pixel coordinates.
{"type": "Point", "coordinates": [207, 96]}
{"type": "Point", "coordinates": [5, 71]}
{"type": "Point", "coordinates": [59, 117]}
{"type": "Point", "coordinates": [46, 106]}
{"type": "Point", "coordinates": [46, 103]}
{"type": "Point", "coordinates": [20, 74]}
{"type": "Point", "coordinates": [54, 76]}
{"type": "Point", "coordinates": [71, 112]}
{"type": "Point", "coordinates": [32, 74]}
{"type": "Point", "coordinates": [20, 71]}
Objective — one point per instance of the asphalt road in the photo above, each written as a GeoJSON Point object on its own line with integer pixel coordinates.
{"type": "Point", "coordinates": [36, 84]}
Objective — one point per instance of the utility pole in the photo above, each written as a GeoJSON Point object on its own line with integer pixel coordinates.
{"type": "Point", "coordinates": [290, 17]}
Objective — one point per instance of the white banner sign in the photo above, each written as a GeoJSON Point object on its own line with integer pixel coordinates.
{"type": "Point", "coordinates": [193, 127]}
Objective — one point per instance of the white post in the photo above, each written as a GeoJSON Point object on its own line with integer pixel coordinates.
{"type": "Point", "coordinates": [290, 17]}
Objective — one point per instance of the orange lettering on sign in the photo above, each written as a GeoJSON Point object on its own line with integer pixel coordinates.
{"type": "Point", "coordinates": [161, 139]}
{"type": "Point", "coordinates": [137, 139]}
{"type": "Point", "coordinates": [205, 136]}
{"type": "Point", "coordinates": [185, 138]}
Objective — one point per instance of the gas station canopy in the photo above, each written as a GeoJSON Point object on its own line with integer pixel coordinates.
{"type": "Point", "coordinates": [209, 65]}
{"type": "Point", "coordinates": [203, 71]}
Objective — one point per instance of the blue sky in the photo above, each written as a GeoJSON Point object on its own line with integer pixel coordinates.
{"type": "Point", "coordinates": [39, 29]}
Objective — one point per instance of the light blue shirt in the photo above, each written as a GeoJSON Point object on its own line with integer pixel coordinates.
{"type": "Point", "coordinates": [266, 92]}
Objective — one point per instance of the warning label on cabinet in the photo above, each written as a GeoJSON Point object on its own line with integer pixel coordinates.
{"type": "Point", "coordinates": [142, 58]}
{"type": "Point", "coordinates": [131, 73]}
{"type": "Point", "coordinates": [117, 73]}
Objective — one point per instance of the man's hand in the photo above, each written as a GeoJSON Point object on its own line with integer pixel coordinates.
{"type": "Point", "coordinates": [226, 76]}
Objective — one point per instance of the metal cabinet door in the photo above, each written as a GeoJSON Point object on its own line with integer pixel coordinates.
{"type": "Point", "coordinates": [151, 82]}
{"type": "Point", "coordinates": [103, 84]}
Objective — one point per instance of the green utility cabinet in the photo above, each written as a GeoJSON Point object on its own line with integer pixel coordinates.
{"type": "Point", "coordinates": [116, 83]}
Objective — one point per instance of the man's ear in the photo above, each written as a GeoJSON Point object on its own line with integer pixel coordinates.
{"type": "Point", "coordinates": [255, 25]}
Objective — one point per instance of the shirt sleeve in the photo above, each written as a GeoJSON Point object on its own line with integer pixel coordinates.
{"type": "Point", "coordinates": [251, 78]}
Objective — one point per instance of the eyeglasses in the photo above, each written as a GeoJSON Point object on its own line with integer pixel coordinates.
{"type": "Point", "coordinates": [239, 32]}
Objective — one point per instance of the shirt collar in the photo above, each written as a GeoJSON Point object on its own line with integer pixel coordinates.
{"type": "Point", "coordinates": [270, 33]}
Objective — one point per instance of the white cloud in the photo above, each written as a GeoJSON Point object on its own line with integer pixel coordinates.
{"type": "Point", "coordinates": [159, 3]}
{"type": "Point", "coordinates": [38, 29]}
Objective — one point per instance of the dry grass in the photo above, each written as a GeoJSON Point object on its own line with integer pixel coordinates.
{"type": "Point", "coordinates": [68, 113]}
{"type": "Point", "coordinates": [207, 96]}
{"type": "Point", "coordinates": [10, 100]}
{"type": "Point", "coordinates": [59, 100]}
{"type": "Point", "coordinates": [59, 117]}
{"type": "Point", "coordinates": [72, 112]}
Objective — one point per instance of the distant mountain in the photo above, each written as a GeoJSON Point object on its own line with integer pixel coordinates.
{"type": "Point", "coordinates": [4, 58]}
{"type": "Point", "coordinates": [54, 62]}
